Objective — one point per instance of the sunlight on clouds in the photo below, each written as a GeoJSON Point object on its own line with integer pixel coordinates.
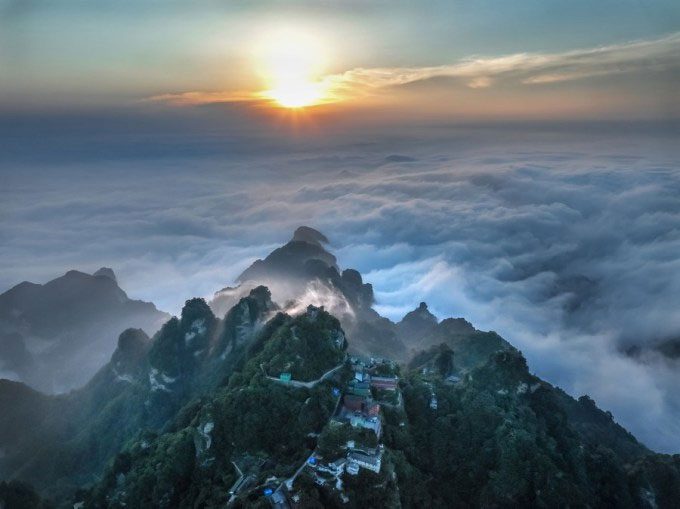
{"type": "Point", "coordinates": [292, 63]}
{"type": "Point", "coordinates": [481, 82]}
{"type": "Point", "coordinates": [532, 68]}
{"type": "Point", "coordinates": [198, 98]}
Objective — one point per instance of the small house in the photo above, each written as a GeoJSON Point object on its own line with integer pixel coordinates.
{"type": "Point", "coordinates": [387, 383]}
{"type": "Point", "coordinates": [370, 462]}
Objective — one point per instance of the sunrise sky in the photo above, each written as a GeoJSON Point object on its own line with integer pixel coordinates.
{"type": "Point", "coordinates": [428, 60]}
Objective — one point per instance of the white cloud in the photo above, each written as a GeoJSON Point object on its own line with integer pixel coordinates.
{"type": "Point", "coordinates": [566, 244]}
{"type": "Point", "coordinates": [528, 68]}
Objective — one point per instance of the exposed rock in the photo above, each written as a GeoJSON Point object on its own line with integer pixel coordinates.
{"type": "Point", "coordinates": [416, 324]}
{"type": "Point", "coordinates": [133, 345]}
{"type": "Point", "coordinates": [307, 234]}
{"type": "Point", "coordinates": [106, 272]}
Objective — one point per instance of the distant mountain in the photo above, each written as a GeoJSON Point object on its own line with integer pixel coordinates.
{"type": "Point", "coordinates": [55, 336]}
{"type": "Point", "coordinates": [303, 272]}
{"type": "Point", "coordinates": [303, 256]}
{"type": "Point", "coordinates": [417, 323]}
{"type": "Point", "coordinates": [424, 335]}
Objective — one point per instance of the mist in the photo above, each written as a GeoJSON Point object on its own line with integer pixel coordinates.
{"type": "Point", "coordinates": [563, 239]}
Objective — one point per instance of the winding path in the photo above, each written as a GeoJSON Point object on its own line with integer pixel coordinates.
{"type": "Point", "coordinates": [308, 385]}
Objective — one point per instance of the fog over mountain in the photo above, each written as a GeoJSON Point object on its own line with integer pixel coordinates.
{"type": "Point", "coordinates": [55, 336]}
{"type": "Point", "coordinates": [566, 246]}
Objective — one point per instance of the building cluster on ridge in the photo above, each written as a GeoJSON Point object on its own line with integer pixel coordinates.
{"type": "Point", "coordinates": [371, 385]}
{"type": "Point", "coordinates": [361, 410]}
{"type": "Point", "coordinates": [359, 407]}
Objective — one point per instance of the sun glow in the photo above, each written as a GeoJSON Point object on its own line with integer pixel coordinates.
{"type": "Point", "coordinates": [291, 65]}
{"type": "Point", "coordinates": [296, 94]}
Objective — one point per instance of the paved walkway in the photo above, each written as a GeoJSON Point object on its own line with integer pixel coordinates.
{"type": "Point", "coordinates": [233, 490]}
{"type": "Point", "coordinates": [308, 385]}
{"type": "Point", "coordinates": [289, 482]}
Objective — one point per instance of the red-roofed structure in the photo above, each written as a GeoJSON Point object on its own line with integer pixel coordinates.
{"type": "Point", "coordinates": [387, 383]}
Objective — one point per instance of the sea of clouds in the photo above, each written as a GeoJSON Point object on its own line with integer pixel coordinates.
{"type": "Point", "coordinates": [565, 241]}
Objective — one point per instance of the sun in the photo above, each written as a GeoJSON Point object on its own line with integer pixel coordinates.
{"type": "Point", "coordinates": [296, 94]}
{"type": "Point", "coordinates": [292, 63]}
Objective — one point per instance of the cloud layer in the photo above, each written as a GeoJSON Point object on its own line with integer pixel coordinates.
{"type": "Point", "coordinates": [565, 241]}
{"type": "Point", "coordinates": [640, 58]}
{"type": "Point", "coordinates": [529, 68]}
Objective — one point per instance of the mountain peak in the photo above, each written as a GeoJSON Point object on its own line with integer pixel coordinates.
{"type": "Point", "coordinates": [106, 272]}
{"type": "Point", "coordinates": [132, 347]}
{"type": "Point", "coordinates": [421, 313]}
{"type": "Point", "coordinates": [72, 274]}
{"type": "Point", "coordinates": [291, 260]}
{"type": "Point", "coordinates": [309, 235]}
{"type": "Point", "coordinates": [418, 322]}
{"type": "Point", "coordinates": [262, 296]}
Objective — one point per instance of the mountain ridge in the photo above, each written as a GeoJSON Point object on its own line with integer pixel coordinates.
{"type": "Point", "coordinates": [61, 332]}
{"type": "Point", "coordinates": [164, 422]}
